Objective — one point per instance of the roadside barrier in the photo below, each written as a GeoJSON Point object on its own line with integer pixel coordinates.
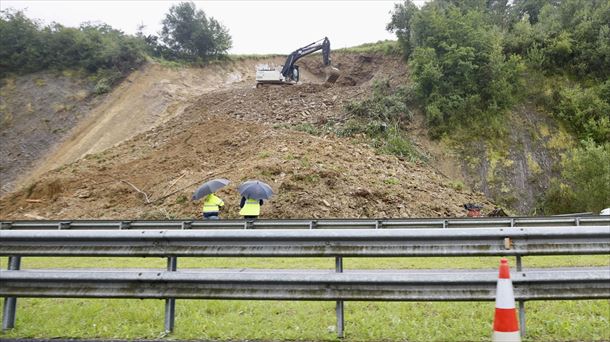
{"type": "Point", "coordinates": [299, 238]}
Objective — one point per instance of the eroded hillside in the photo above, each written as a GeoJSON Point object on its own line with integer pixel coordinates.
{"type": "Point", "coordinates": [220, 125]}
{"type": "Point", "coordinates": [36, 113]}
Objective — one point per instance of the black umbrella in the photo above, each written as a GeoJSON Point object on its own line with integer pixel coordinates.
{"type": "Point", "coordinates": [255, 189]}
{"type": "Point", "coordinates": [209, 187]}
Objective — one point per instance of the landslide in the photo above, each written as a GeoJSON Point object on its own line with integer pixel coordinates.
{"type": "Point", "coordinates": [230, 129]}
{"type": "Point", "coordinates": [147, 98]}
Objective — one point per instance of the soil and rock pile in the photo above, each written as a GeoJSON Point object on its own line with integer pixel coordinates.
{"type": "Point", "coordinates": [238, 132]}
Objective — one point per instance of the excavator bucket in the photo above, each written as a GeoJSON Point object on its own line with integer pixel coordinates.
{"type": "Point", "coordinates": [332, 74]}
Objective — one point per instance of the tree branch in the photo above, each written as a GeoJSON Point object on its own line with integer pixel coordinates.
{"type": "Point", "coordinates": [138, 190]}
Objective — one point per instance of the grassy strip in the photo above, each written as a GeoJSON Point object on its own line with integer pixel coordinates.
{"type": "Point", "coordinates": [284, 320]}
{"type": "Point", "coordinates": [388, 47]}
{"type": "Point", "coordinates": [311, 263]}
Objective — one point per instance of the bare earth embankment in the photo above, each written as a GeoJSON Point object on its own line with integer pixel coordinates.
{"type": "Point", "coordinates": [147, 146]}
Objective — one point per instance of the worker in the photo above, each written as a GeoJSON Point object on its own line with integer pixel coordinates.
{"type": "Point", "coordinates": [211, 207]}
{"type": "Point", "coordinates": [250, 208]}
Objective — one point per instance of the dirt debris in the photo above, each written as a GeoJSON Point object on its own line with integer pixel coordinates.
{"type": "Point", "coordinates": [238, 132]}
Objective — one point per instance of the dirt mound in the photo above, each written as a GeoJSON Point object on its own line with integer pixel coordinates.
{"type": "Point", "coordinates": [199, 124]}
{"type": "Point", "coordinates": [308, 102]}
{"type": "Point", "coordinates": [146, 99]}
{"type": "Point", "coordinates": [312, 177]}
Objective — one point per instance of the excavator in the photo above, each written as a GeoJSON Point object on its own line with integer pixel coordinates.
{"type": "Point", "coordinates": [289, 73]}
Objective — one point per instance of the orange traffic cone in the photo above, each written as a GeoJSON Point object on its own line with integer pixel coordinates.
{"type": "Point", "coordinates": [506, 327]}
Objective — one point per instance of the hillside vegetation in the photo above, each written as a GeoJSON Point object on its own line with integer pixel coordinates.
{"type": "Point", "coordinates": [475, 63]}
{"type": "Point", "coordinates": [107, 54]}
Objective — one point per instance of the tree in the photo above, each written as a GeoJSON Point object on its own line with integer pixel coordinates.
{"type": "Point", "coordinates": [531, 8]}
{"type": "Point", "coordinates": [188, 33]}
{"type": "Point", "coordinates": [20, 43]}
{"type": "Point", "coordinates": [402, 17]}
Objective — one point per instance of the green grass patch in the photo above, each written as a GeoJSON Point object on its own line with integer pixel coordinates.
{"type": "Point", "coordinates": [290, 320]}
{"type": "Point", "coordinates": [388, 47]}
{"type": "Point", "coordinates": [171, 64]}
{"type": "Point", "coordinates": [313, 263]}
{"type": "Point", "coordinates": [242, 57]}
{"type": "Point", "coordinates": [308, 128]}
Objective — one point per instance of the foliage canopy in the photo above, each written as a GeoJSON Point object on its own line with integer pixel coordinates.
{"type": "Point", "coordinates": [189, 34]}
{"type": "Point", "coordinates": [27, 46]}
{"type": "Point", "coordinates": [457, 60]}
{"type": "Point", "coordinates": [471, 60]}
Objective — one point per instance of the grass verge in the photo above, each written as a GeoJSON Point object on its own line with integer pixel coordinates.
{"type": "Point", "coordinates": [286, 320]}
{"type": "Point", "coordinates": [311, 263]}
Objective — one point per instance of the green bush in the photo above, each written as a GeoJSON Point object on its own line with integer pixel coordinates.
{"type": "Point", "coordinates": [102, 86]}
{"type": "Point", "coordinates": [387, 139]}
{"type": "Point", "coordinates": [585, 181]}
{"type": "Point", "coordinates": [308, 128]}
{"type": "Point", "coordinates": [586, 109]}
{"type": "Point", "coordinates": [395, 142]}
{"type": "Point", "coordinates": [386, 104]}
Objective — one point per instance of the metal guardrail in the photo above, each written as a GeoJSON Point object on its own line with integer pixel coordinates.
{"type": "Point", "coordinates": [394, 285]}
{"type": "Point", "coordinates": [304, 238]}
{"type": "Point", "coordinates": [313, 224]}
{"type": "Point", "coordinates": [309, 243]}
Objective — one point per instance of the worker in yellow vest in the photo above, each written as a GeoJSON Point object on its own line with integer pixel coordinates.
{"type": "Point", "coordinates": [211, 207]}
{"type": "Point", "coordinates": [250, 208]}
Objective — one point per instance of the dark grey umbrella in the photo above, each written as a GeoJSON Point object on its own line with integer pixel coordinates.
{"type": "Point", "coordinates": [255, 189]}
{"type": "Point", "coordinates": [209, 187]}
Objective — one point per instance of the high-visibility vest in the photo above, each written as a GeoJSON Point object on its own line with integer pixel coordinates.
{"type": "Point", "coordinates": [212, 204]}
{"type": "Point", "coordinates": [252, 207]}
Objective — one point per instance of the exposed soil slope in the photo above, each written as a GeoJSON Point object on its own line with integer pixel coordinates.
{"type": "Point", "coordinates": [37, 112]}
{"type": "Point", "coordinates": [218, 124]}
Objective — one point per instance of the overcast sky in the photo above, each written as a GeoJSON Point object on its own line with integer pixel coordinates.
{"type": "Point", "coordinates": [255, 26]}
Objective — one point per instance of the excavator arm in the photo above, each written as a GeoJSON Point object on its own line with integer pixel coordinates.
{"type": "Point", "coordinates": [291, 71]}
{"type": "Point", "coordinates": [322, 44]}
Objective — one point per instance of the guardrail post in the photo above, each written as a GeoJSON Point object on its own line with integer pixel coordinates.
{"type": "Point", "coordinates": [521, 303]}
{"type": "Point", "coordinates": [313, 224]}
{"type": "Point", "coordinates": [339, 306]}
{"type": "Point", "coordinates": [10, 303]}
{"type": "Point", "coordinates": [170, 303]}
